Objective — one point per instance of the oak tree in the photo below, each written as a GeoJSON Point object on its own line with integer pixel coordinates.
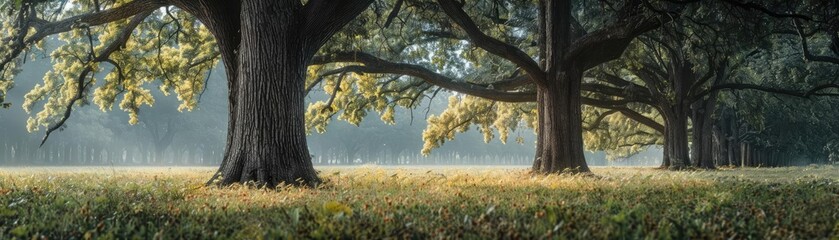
{"type": "Point", "coordinates": [265, 47]}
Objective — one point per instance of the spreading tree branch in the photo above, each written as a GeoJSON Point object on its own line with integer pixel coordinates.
{"type": "Point", "coordinates": [492, 45]}
{"type": "Point", "coordinates": [599, 119]}
{"type": "Point", "coordinates": [377, 65]}
{"type": "Point", "coordinates": [815, 91]}
{"type": "Point", "coordinates": [608, 43]}
{"type": "Point", "coordinates": [393, 13]}
{"type": "Point", "coordinates": [334, 93]}
{"type": "Point", "coordinates": [806, 49]}
{"type": "Point", "coordinates": [635, 116]}
{"type": "Point", "coordinates": [757, 7]}
{"type": "Point", "coordinates": [104, 56]}
{"type": "Point", "coordinates": [325, 17]}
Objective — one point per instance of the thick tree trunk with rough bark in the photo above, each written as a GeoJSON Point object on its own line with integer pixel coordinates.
{"type": "Point", "coordinates": [665, 160]}
{"type": "Point", "coordinates": [721, 139]}
{"type": "Point", "coordinates": [676, 113]}
{"type": "Point", "coordinates": [696, 121]}
{"type": "Point", "coordinates": [559, 141]}
{"type": "Point", "coordinates": [268, 139]}
{"type": "Point", "coordinates": [706, 141]}
{"type": "Point", "coordinates": [266, 47]}
{"type": "Point", "coordinates": [560, 144]}
{"type": "Point", "coordinates": [702, 135]}
{"type": "Point", "coordinates": [676, 152]}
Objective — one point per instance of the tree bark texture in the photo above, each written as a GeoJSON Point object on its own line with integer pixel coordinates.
{"type": "Point", "coordinates": [560, 144]}
{"type": "Point", "coordinates": [268, 142]}
{"type": "Point", "coordinates": [559, 140]}
{"type": "Point", "coordinates": [676, 152]}
{"type": "Point", "coordinates": [266, 47]}
{"type": "Point", "coordinates": [676, 113]}
{"type": "Point", "coordinates": [702, 141]}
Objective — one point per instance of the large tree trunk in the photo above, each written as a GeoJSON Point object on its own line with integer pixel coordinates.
{"type": "Point", "coordinates": [702, 134]}
{"type": "Point", "coordinates": [268, 141]}
{"type": "Point", "coordinates": [706, 154]}
{"type": "Point", "coordinates": [665, 160]}
{"type": "Point", "coordinates": [676, 113]}
{"type": "Point", "coordinates": [744, 152]}
{"type": "Point", "coordinates": [721, 138]}
{"type": "Point", "coordinates": [560, 142]}
{"type": "Point", "coordinates": [696, 121]}
{"type": "Point", "coordinates": [265, 46]}
{"type": "Point", "coordinates": [676, 152]}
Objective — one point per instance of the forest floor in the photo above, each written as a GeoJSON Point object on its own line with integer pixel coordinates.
{"type": "Point", "coordinates": [373, 202]}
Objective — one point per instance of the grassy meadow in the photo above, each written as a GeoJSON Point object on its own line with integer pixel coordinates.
{"type": "Point", "coordinates": [374, 202]}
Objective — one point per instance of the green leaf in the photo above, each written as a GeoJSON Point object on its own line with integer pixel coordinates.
{"type": "Point", "coordinates": [20, 231]}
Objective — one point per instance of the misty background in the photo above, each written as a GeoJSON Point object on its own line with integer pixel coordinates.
{"type": "Point", "coordinates": [166, 136]}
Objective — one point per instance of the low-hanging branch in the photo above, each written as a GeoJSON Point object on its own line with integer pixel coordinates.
{"type": "Point", "coordinates": [620, 106]}
{"type": "Point", "coordinates": [104, 56]}
{"type": "Point", "coordinates": [377, 65]}
{"type": "Point", "coordinates": [320, 78]}
{"type": "Point", "coordinates": [508, 84]}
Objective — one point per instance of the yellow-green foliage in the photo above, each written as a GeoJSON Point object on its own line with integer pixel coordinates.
{"type": "Point", "coordinates": [490, 116]}
{"type": "Point", "coordinates": [7, 40]}
{"type": "Point", "coordinates": [369, 202]}
{"type": "Point", "coordinates": [408, 42]}
{"type": "Point", "coordinates": [172, 52]}
{"type": "Point", "coordinates": [355, 95]}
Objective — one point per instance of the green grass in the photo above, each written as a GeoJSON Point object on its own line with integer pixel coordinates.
{"type": "Point", "coordinates": [371, 202]}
